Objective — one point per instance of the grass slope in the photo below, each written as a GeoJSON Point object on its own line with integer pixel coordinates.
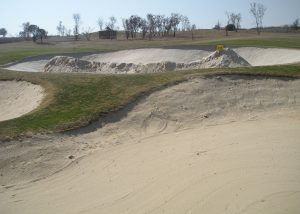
{"type": "Point", "coordinates": [75, 100]}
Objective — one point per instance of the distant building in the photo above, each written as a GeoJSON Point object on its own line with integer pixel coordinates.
{"type": "Point", "coordinates": [108, 34]}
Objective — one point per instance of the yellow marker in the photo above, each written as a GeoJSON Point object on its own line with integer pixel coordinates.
{"type": "Point", "coordinates": [220, 48]}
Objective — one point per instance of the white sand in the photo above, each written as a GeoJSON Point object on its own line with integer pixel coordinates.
{"type": "Point", "coordinates": [269, 56]}
{"type": "Point", "coordinates": [18, 98]}
{"type": "Point", "coordinates": [30, 66]}
{"type": "Point", "coordinates": [149, 55]}
{"type": "Point", "coordinates": [215, 145]}
{"type": "Point", "coordinates": [140, 57]}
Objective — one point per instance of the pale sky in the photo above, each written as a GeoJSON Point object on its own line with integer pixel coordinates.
{"type": "Point", "coordinates": [205, 14]}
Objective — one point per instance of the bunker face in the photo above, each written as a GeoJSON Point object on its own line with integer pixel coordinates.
{"type": "Point", "coordinates": [154, 60]}
{"type": "Point", "coordinates": [18, 98]}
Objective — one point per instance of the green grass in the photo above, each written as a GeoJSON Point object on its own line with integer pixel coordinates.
{"type": "Point", "coordinates": [75, 100]}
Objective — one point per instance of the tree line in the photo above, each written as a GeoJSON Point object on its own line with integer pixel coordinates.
{"type": "Point", "coordinates": [153, 26]}
{"type": "Point", "coordinates": [156, 25]}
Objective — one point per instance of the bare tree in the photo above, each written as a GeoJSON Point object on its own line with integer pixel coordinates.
{"type": "Point", "coordinates": [167, 26]}
{"type": "Point", "coordinates": [126, 26]}
{"type": "Point", "coordinates": [41, 34]}
{"type": "Point", "coordinates": [235, 19]}
{"type": "Point", "coordinates": [258, 11]}
{"type": "Point", "coordinates": [151, 25]}
{"type": "Point", "coordinates": [217, 26]}
{"type": "Point", "coordinates": [185, 24]}
{"type": "Point", "coordinates": [144, 28]}
{"type": "Point", "coordinates": [22, 34]}
{"type": "Point", "coordinates": [111, 23]}
{"type": "Point", "coordinates": [228, 22]}
{"type": "Point", "coordinates": [295, 25]}
{"type": "Point", "coordinates": [238, 21]}
{"type": "Point", "coordinates": [159, 24]}
{"type": "Point", "coordinates": [25, 32]}
{"type": "Point", "coordinates": [3, 32]}
{"type": "Point", "coordinates": [135, 23]}
{"type": "Point", "coordinates": [68, 32]}
{"type": "Point", "coordinates": [100, 23]}
{"type": "Point", "coordinates": [76, 18]}
{"type": "Point", "coordinates": [61, 29]}
{"type": "Point", "coordinates": [33, 30]}
{"type": "Point", "coordinates": [87, 33]}
{"type": "Point", "coordinates": [175, 21]}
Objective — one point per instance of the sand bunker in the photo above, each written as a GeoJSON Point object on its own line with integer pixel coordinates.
{"type": "Point", "coordinates": [30, 66]}
{"type": "Point", "coordinates": [159, 60]}
{"type": "Point", "coordinates": [224, 59]}
{"type": "Point", "coordinates": [269, 56]}
{"type": "Point", "coordinates": [226, 144]}
{"type": "Point", "coordinates": [18, 98]}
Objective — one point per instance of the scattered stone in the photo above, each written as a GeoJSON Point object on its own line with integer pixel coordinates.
{"type": "Point", "coordinates": [71, 157]}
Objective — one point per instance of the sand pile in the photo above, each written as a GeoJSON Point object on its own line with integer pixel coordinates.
{"type": "Point", "coordinates": [18, 98]}
{"type": "Point", "coordinates": [71, 64]}
{"type": "Point", "coordinates": [226, 58]}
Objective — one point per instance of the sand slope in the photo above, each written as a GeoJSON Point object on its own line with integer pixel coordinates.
{"type": "Point", "coordinates": [225, 144]}
{"type": "Point", "coordinates": [18, 98]}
